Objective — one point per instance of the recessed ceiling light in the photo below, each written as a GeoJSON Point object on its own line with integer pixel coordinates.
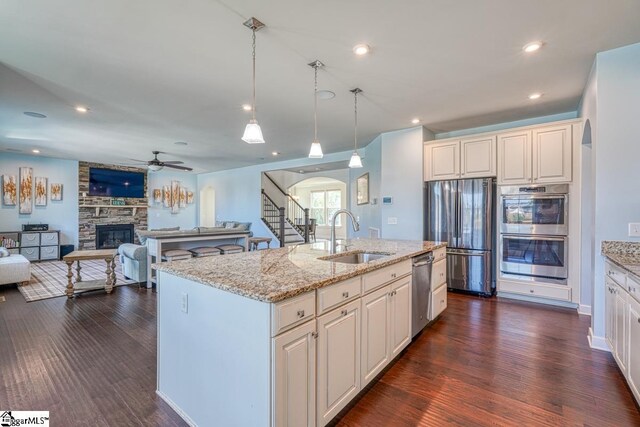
{"type": "Point", "coordinates": [317, 169]}
{"type": "Point", "coordinates": [35, 151]}
{"type": "Point", "coordinates": [326, 94]}
{"type": "Point", "coordinates": [247, 107]}
{"type": "Point", "coordinates": [535, 95]}
{"type": "Point", "coordinates": [82, 109]}
{"type": "Point", "coordinates": [274, 153]}
{"type": "Point", "coordinates": [180, 143]}
{"type": "Point", "coordinates": [415, 121]}
{"type": "Point", "coordinates": [532, 47]}
{"type": "Point", "coordinates": [35, 115]}
{"type": "Point", "coordinates": [301, 171]}
{"type": "Point", "coordinates": [361, 49]}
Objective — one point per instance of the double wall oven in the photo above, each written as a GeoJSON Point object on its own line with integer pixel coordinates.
{"type": "Point", "coordinates": [533, 233]}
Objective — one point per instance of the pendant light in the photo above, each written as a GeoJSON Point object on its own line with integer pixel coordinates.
{"type": "Point", "coordinates": [253, 133]}
{"type": "Point", "coordinates": [316, 149]}
{"type": "Point", "coordinates": [356, 161]}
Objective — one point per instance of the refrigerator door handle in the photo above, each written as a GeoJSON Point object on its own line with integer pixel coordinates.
{"type": "Point", "coordinates": [467, 253]}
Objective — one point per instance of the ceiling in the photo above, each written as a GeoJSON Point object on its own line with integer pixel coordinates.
{"type": "Point", "coordinates": [157, 72]}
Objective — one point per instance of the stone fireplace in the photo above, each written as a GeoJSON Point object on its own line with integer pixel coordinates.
{"type": "Point", "coordinates": [112, 236]}
{"type": "Point", "coordinates": [96, 212]}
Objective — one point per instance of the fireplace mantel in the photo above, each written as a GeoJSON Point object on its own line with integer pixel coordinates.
{"type": "Point", "coordinates": [98, 207]}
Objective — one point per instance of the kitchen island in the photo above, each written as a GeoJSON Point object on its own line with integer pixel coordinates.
{"type": "Point", "coordinates": [285, 336]}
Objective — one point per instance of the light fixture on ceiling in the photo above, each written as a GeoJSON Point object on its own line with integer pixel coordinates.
{"type": "Point", "coordinates": [35, 151]}
{"type": "Point", "coordinates": [155, 168]}
{"type": "Point", "coordinates": [247, 107]}
{"type": "Point", "coordinates": [361, 49]}
{"type": "Point", "coordinates": [326, 94]}
{"type": "Point", "coordinates": [35, 115]}
{"type": "Point", "coordinates": [275, 153]}
{"type": "Point", "coordinates": [356, 161]}
{"type": "Point", "coordinates": [534, 96]}
{"type": "Point", "coordinates": [316, 149]}
{"type": "Point", "coordinates": [82, 109]}
{"type": "Point", "coordinates": [253, 133]}
{"type": "Point", "coordinates": [532, 47]}
{"type": "Point", "coordinates": [415, 121]}
{"type": "Point", "coordinates": [180, 143]}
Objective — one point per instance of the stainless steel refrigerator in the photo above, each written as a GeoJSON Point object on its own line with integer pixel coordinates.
{"type": "Point", "coordinates": [461, 213]}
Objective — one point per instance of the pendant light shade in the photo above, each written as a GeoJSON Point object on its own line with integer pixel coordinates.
{"type": "Point", "coordinates": [252, 132]}
{"type": "Point", "coordinates": [316, 149]}
{"type": "Point", "coordinates": [356, 161]}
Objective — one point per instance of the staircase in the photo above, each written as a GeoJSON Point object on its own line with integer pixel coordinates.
{"type": "Point", "coordinates": [290, 221]}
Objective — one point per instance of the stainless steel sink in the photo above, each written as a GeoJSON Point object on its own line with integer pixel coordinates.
{"type": "Point", "coordinates": [357, 257]}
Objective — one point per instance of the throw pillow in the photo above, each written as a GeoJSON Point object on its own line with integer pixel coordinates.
{"type": "Point", "coordinates": [230, 224]}
{"type": "Point", "coordinates": [4, 252]}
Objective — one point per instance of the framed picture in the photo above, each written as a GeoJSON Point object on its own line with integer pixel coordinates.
{"type": "Point", "coordinates": [189, 197]}
{"type": "Point", "coordinates": [157, 196]}
{"type": "Point", "coordinates": [26, 191]}
{"type": "Point", "coordinates": [362, 185]}
{"type": "Point", "coordinates": [175, 196]}
{"type": "Point", "coordinates": [9, 190]}
{"type": "Point", "coordinates": [41, 191]}
{"type": "Point", "coordinates": [166, 196]}
{"type": "Point", "coordinates": [56, 192]}
{"type": "Point", "coordinates": [183, 197]}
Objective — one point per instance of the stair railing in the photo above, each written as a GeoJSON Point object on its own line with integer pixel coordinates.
{"type": "Point", "coordinates": [272, 214]}
{"type": "Point", "coordinates": [296, 215]}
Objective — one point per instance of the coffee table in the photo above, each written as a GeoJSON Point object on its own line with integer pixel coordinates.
{"type": "Point", "coordinates": [108, 255]}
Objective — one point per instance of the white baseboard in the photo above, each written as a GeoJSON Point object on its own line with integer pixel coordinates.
{"type": "Point", "coordinates": [176, 408]}
{"type": "Point", "coordinates": [538, 300]}
{"type": "Point", "coordinates": [598, 343]}
{"type": "Point", "coordinates": [584, 309]}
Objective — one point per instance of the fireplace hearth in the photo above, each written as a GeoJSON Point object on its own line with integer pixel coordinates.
{"type": "Point", "coordinates": [113, 235]}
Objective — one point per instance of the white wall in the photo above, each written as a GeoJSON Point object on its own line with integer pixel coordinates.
{"type": "Point", "coordinates": [161, 217]}
{"type": "Point", "coordinates": [402, 179]}
{"type": "Point", "coordinates": [369, 215]}
{"type": "Point", "coordinates": [616, 151]}
{"type": "Point", "coordinates": [61, 215]}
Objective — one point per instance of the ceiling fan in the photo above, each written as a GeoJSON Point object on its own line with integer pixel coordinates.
{"type": "Point", "coordinates": [155, 164]}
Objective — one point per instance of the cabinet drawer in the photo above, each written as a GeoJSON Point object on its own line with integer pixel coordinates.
{"type": "Point", "coordinates": [48, 252]}
{"type": "Point", "coordinates": [616, 274]}
{"type": "Point", "coordinates": [32, 254]}
{"type": "Point", "coordinates": [375, 279]}
{"type": "Point", "coordinates": [438, 274]}
{"type": "Point", "coordinates": [439, 254]}
{"type": "Point", "coordinates": [30, 239]}
{"type": "Point", "coordinates": [537, 290]}
{"type": "Point", "coordinates": [294, 311]}
{"type": "Point", "coordinates": [338, 294]}
{"type": "Point", "coordinates": [438, 301]}
{"type": "Point", "coordinates": [48, 239]}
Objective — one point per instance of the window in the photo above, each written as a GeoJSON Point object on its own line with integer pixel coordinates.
{"type": "Point", "coordinates": [324, 204]}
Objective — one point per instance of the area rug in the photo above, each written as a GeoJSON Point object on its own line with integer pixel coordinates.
{"type": "Point", "coordinates": [49, 278]}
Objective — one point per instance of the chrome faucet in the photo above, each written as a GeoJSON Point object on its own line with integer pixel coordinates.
{"type": "Point", "coordinates": [355, 224]}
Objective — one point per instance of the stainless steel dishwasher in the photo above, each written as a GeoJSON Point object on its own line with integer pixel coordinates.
{"type": "Point", "coordinates": [421, 298]}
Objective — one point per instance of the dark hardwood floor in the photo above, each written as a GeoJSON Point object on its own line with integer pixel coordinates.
{"type": "Point", "coordinates": [485, 362]}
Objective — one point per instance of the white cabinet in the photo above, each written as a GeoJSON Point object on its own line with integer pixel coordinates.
{"type": "Point", "coordinates": [538, 156]}
{"type": "Point", "coordinates": [376, 343]}
{"type": "Point", "coordinates": [620, 328]}
{"type": "Point", "coordinates": [338, 369]}
{"type": "Point", "coordinates": [442, 161]}
{"type": "Point", "coordinates": [609, 311]}
{"type": "Point", "coordinates": [438, 302]}
{"type": "Point", "coordinates": [514, 158]}
{"type": "Point", "coordinates": [478, 157]}
{"type": "Point", "coordinates": [633, 330]}
{"type": "Point", "coordinates": [469, 158]}
{"type": "Point", "coordinates": [400, 325]}
{"type": "Point", "coordinates": [294, 374]}
{"type": "Point", "coordinates": [552, 154]}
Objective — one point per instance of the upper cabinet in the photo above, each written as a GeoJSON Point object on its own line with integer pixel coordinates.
{"type": "Point", "coordinates": [469, 158]}
{"type": "Point", "coordinates": [535, 156]}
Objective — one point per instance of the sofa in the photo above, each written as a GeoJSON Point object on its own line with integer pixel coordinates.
{"type": "Point", "coordinates": [14, 269]}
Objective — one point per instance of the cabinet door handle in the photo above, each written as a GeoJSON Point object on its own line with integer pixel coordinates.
{"type": "Point", "coordinates": [393, 275]}
{"type": "Point", "coordinates": [314, 335]}
{"type": "Point", "coordinates": [531, 290]}
{"type": "Point", "coordinates": [345, 295]}
{"type": "Point", "coordinates": [300, 314]}
{"type": "Point", "coordinates": [344, 312]}
{"type": "Point", "coordinates": [638, 319]}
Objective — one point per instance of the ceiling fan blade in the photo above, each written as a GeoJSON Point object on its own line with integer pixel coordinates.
{"type": "Point", "coordinates": [140, 161]}
{"type": "Point", "coordinates": [182, 168]}
{"type": "Point", "coordinates": [172, 162]}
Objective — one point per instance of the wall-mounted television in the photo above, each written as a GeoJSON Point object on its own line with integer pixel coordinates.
{"type": "Point", "coordinates": [115, 183]}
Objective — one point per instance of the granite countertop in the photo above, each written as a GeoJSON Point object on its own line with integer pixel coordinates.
{"type": "Point", "coordinates": [624, 254]}
{"type": "Point", "coordinates": [277, 274]}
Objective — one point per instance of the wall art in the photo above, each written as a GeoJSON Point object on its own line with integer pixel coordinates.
{"type": "Point", "coordinates": [9, 190]}
{"type": "Point", "coordinates": [175, 196]}
{"type": "Point", "coordinates": [157, 196]}
{"type": "Point", "coordinates": [183, 197]}
{"type": "Point", "coordinates": [189, 197]}
{"type": "Point", "coordinates": [166, 196]}
{"type": "Point", "coordinates": [26, 190]}
{"type": "Point", "coordinates": [41, 191]}
{"type": "Point", "coordinates": [56, 192]}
